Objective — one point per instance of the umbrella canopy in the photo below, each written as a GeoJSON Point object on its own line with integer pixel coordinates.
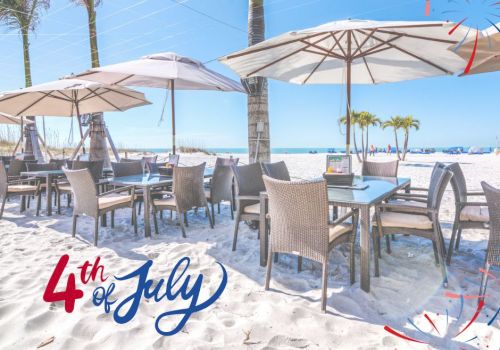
{"type": "Point", "coordinates": [163, 70]}
{"type": "Point", "coordinates": [11, 120]}
{"type": "Point", "coordinates": [485, 55]}
{"type": "Point", "coordinates": [354, 52]}
{"type": "Point", "coordinates": [69, 97]}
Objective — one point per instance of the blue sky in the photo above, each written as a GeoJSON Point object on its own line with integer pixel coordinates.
{"type": "Point", "coordinates": [452, 110]}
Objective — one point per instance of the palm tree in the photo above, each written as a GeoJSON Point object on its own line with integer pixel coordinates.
{"type": "Point", "coordinates": [98, 145]}
{"type": "Point", "coordinates": [365, 120]}
{"type": "Point", "coordinates": [24, 16]}
{"type": "Point", "coordinates": [395, 123]}
{"type": "Point", "coordinates": [354, 122]}
{"type": "Point", "coordinates": [259, 145]}
{"type": "Point", "coordinates": [408, 123]}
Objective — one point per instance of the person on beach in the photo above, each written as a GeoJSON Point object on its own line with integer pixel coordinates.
{"type": "Point", "coordinates": [372, 150]}
{"type": "Point", "coordinates": [389, 149]}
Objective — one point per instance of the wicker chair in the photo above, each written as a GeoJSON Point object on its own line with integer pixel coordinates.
{"type": "Point", "coordinates": [226, 161]}
{"type": "Point", "coordinates": [95, 167]}
{"type": "Point", "coordinates": [16, 167]}
{"type": "Point", "coordinates": [220, 188]}
{"type": "Point", "coordinates": [22, 187]}
{"type": "Point", "coordinates": [154, 168]}
{"type": "Point", "coordinates": [422, 221]}
{"type": "Point", "coordinates": [299, 216]}
{"type": "Point", "coordinates": [383, 169]}
{"type": "Point", "coordinates": [89, 202]}
{"type": "Point", "coordinates": [187, 194]}
{"type": "Point", "coordinates": [468, 214]}
{"type": "Point", "coordinates": [493, 251]}
{"type": "Point", "coordinates": [149, 159]}
{"type": "Point", "coordinates": [173, 160]}
{"type": "Point", "coordinates": [248, 185]}
{"type": "Point", "coordinates": [278, 171]}
{"type": "Point", "coordinates": [59, 162]}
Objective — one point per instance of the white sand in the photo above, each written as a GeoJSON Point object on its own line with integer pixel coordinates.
{"type": "Point", "coordinates": [245, 316]}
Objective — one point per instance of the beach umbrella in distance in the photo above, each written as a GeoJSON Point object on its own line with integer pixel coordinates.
{"type": "Point", "coordinates": [354, 52]}
{"type": "Point", "coordinates": [484, 55]}
{"type": "Point", "coordinates": [166, 71]}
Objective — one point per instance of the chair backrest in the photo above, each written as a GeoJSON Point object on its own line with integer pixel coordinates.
{"type": "Point", "coordinates": [458, 182]}
{"type": "Point", "coordinates": [222, 183]}
{"type": "Point", "coordinates": [17, 166]}
{"type": "Point", "coordinates": [84, 190]}
{"type": "Point", "coordinates": [383, 169]}
{"type": "Point", "coordinates": [188, 187]}
{"type": "Point", "coordinates": [248, 179]}
{"type": "Point", "coordinates": [6, 159]}
{"type": "Point", "coordinates": [154, 168]}
{"type": "Point", "coordinates": [493, 199]}
{"type": "Point", "coordinates": [278, 170]}
{"type": "Point", "coordinates": [226, 161]}
{"type": "Point", "coordinates": [439, 180]}
{"type": "Point", "coordinates": [127, 168]}
{"type": "Point", "coordinates": [149, 159]}
{"type": "Point", "coordinates": [173, 160]}
{"type": "Point", "coordinates": [41, 167]}
{"type": "Point", "coordinates": [3, 179]}
{"type": "Point", "coordinates": [59, 162]}
{"type": "Point", "coordinates": [299, 216]}
{"type": "Point", "coordinates": [95, 167]}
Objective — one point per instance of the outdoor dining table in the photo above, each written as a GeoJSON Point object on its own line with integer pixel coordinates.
{"type": "Point", "coordinates": [146, 182]}
{"type": "Point", "coordinates": [49, 176]}
{"type": "Point", "coordinates": [366, 192]}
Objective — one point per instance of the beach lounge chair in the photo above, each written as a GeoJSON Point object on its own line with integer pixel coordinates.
{"type": "Point", "coordinates": [88, 202]}
{"type": "Point", "coordinates": [299, 216]}
{"type": "Point", "coordinates": [248, 185]}
{"type": "Point", "coordinates": [421, 221]}
{"type": "Point", "coordinates": [19, 187]}
{"type": "Point", "coordinates": [278, 170]}
{"type": "Point", "coordinates": [187, 193]}
{"type": "Point", "coordinates": [493, 251]}
{"type": "Point", "coordinates": [468, 214]}
{"type": "Point", "coordinates": [383, 169]}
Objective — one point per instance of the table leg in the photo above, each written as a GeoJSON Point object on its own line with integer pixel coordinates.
{"type": "Point", "coordinates": [147, 198]}
{"type": "Point", "coordinates": [264, 237]}
{"type": "Point", "coordinates": [365, 248]}
{"type": "Point", "coordinates": [48, 183]}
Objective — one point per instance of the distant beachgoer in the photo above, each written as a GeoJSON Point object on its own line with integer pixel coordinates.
{"type": "Point", "coordinates": [389, 149]}
{"type": "Point", "coordinates": [372, 150]}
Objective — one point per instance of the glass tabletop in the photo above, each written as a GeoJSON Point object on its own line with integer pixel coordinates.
{"type": "Point", "coordinates": [147, 179]}
{"type": "Point", "coordinates": [370, 190]}
{"type": "Point", "coordinates": [42, 173]}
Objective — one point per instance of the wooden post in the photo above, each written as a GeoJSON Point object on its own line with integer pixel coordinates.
{"type": "Point", "coordinates": [172, 88]}
{"type": "Point", "coordinates": [348, 114]}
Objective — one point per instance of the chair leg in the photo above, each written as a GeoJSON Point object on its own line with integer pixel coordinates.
{"type": "Point", "coordinates": [452, 242]}
{"type": "Point", "coordinates": [58, 194]}
{"type": "Point", "coordinates": [28, 202]}
{"type": "Point", "coordinates": [140, 206]}
{"type": "Point", "coordinates": [186, 219]}
{"type": "Point", "coordinates": [210, 217]}
{"type": "Point", "coordinates": [23, 204]}
{"type": "Point", "coordinates": [112, 219]}
{"type": "Point", "coordinates": [299, 264]}
{"type": "Point", "coordinates": [161, 214]}
{"type": "Point", "coordinates": [376, 255]}
{"type": "Point", "coordinates": [442, 257]}
{"type": "Point", "coordinates": [459, 235]}
{"type": "Point", "coordinates": [213, 212]}
{"type": "Point", "coordinates": [352, 265]}
{"type": "Point", "coordinates": [436, 253]}
{"type": "Point", "coordinates": [218, 208]}
{"type": "Point", "coordinates": [484, 282]}
{"type": "Point", "coordinates": [134, 218]}
{"type": "Point", "coordinates": [388, 244]}
{"type": "Point", "coordinates": [324, 286]}
{"type": "Point", "coordinates": [96, 230]}
{"type": "Point", "coordinates": [155, 221]}
{"type": "Point", "coordinates": [38, 204]}
{"type": "Point", "coordinates": [183, 228]}
{"type": "Point", "coordinates": [268, 268]}
{"type": "Point", "coordinates": [73, 231]}
{"type": "Point", "coordinates": [231, 209]}
{"type": "Point", "coordinates": [68, 200]}
{"type": "Point", "coordinates": [3, 205]}
{"type": "Point", "coordinates": [236, 226]}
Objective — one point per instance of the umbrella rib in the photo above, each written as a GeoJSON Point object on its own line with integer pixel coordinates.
{"type": "Point", "coordinates": [286, 56]}
{"type": "Point", "coordinates": [125, 94]}
{"type": "Point", "coordinates": [324, 51]}
{"type": "Point", "coordinates": [337, 42]}
{"type": "Point", "coordinates": [271, 46]}
{"type": "Point", "coordinates": [34, 103]}
{"type": "Point", "coordinates": [419, 37]}
{"type": "Point", "coordinates": [364, 41]}
{"type": "Point", "coordinates": [363, 57]}
{"type": "Point", "coordinates": [322, 60]}
{"type": "Point", "coordinates": [102, 98]}
{"type": "Point", "coordinates": [374, 50]}
{"type": "Point", "coordinates": [415, 56]}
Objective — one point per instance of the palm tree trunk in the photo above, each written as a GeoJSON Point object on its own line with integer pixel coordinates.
{"type": "Point", "coordinates": [94, 52]}
{"type": "Point", "coordinates": [367, 144]}
{"type": "Point", "coordinates": [405, 150]}
{"type": "Point", "coordinates": [355, 143]}
{"type": "Point", "coordinates": [397, 143]}
{"type": "Point", "coordinates": [363, 143]}
{"type": "Point", "coordinates": [31, 144]}
{"type": "Point", "coordinates": [259, 145]}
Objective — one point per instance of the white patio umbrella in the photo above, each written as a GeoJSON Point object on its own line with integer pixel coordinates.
{"type": "Point", "coordinates": [354, 52]}
{"type": "Point", "coordinates": [163, 70]}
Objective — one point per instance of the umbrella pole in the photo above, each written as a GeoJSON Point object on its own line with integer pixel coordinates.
{"type": "Point", "coordinates": [172, 98]}
{"type": "Point", "coordinates": [22, 135]}
{"type": "Point", "coordinates": [348, 97]}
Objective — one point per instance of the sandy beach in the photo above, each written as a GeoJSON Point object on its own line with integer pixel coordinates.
{"type": "Point", "coordinates": [245, 316]}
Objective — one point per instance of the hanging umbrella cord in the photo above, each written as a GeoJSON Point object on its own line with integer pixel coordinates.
{"type": "Point", "coordinates": [164, 106]}
{"type": "Point", "coordinates": [70, 135]}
